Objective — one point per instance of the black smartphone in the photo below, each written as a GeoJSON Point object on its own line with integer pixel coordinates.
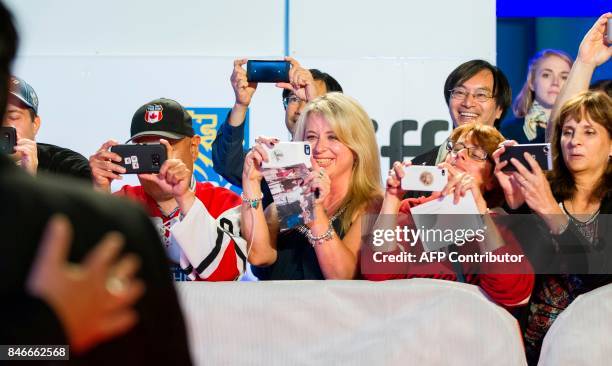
{"type": "Point", "coordinates": [540, 152]}
{"type": "Point", "coordinates": [8, 139]}
{"type": "Point", "coordinates": [141, 158]}
{"type": "Point", "coordinates": [267, 71]}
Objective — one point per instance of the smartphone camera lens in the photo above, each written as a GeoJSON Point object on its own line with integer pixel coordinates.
{"type": "Point", "coordinates": [155, 158]}
{"type": "Point", "coordinates": [307, 149]}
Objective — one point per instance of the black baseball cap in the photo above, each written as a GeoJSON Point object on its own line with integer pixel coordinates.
{"type": "Point", "coordinates": [24, 92]}
{"type": "Point", "coordinates": [162, 117]}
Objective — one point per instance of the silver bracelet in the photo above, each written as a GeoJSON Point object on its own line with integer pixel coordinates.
{"type": "Point", "coordinates": [253, 202]}
{"type": "Point", "coordinates": [316, 240]}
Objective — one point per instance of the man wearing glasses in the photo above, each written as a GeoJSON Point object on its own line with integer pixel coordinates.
{"type": "Point", "coordinates": [475, 92]}
{"type": "Point", "coordinates": [304, 86]}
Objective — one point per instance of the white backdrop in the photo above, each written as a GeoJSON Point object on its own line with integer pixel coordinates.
{"type": "Point", "coordinates": [94, 63]}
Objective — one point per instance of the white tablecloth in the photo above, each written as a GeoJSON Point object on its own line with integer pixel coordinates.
{"type": "Point", "coordinates": [402, 322]}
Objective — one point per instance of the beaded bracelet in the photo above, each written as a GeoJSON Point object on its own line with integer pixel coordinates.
{"type": "Point", "coordinates": [253, 202]}
{"type": "Point", "coordinates": [314, 240]}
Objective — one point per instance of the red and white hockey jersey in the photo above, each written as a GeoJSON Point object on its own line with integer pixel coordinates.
{"type": "Point", "coordinates": [205, 242]}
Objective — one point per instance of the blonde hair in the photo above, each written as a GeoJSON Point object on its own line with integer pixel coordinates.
{"type": "Point", "coordinates": [353, 127]}
{"type": "Point", "coordinates": [524, 99]}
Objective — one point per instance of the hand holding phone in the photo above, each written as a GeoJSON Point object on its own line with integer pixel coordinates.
{"type": "Point", "coordinates": [141, 158]}
{"type": "Point", "coordinates": [268, 71]}
{"type": "Point", "coordinates": [540, 152]}
{"type": "Point", "coordinates": [8, 140]}
{"type": "Point", "coordinates": [424, 178]}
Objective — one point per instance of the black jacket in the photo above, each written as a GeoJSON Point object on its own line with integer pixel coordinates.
{"type": "Point", "coordinates": [27, 204]}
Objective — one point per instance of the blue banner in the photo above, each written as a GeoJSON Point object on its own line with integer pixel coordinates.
{"type": "Point", "coordinates": [206, 123]}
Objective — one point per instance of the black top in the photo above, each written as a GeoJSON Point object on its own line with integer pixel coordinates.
{"type": "Point", "coordinates": [296, 258]}
{"type": "Point", "coordinates": [59, 160]}
{"type": "Point", "coordinates": [513, 130]}
{"type": "Point", "coordinates": [159, 337]}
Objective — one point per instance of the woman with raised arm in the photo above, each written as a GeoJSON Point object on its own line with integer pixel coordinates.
{"type": "Point", "coordinates": [570, 203]}
{"type": "Point", "coordinates": [470, 169]}
{"type": "Point", "coordinates": [346, 175]}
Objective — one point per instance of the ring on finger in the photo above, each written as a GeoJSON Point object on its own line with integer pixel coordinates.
{"type": "Point", "coordinates": [115, 285]}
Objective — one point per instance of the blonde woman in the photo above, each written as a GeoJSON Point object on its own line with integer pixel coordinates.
{"type": "Point", "coordinates": [346, 172]}
{"type": "Point", "coordinates": [547, 72]}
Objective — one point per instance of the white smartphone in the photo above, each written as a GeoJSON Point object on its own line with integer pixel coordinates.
{"type": "Point", "coordinates": [609, 31]}
{"type": "Point", "coordinates": [424, 178]}
{"type": "Point", "coordinates": [285, 154]}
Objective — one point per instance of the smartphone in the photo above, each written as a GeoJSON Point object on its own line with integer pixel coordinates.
{"type": "Point", "coordinates": [141, 158]}
{"type": "Point", "coordinates": [284, 154]}
{"type": "Point", "coordinates": [8, 139]}
{"type": "Point", "coordinates": [424, 178]}
{"type": "Point", "coordinates": [540, 152]}
{"type": "Point", "coordinates": [609, 31]}
{"type": "Point", "coordinates": [267, 71]}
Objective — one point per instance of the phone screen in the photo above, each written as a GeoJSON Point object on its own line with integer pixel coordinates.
{"type": "Point", "coordinates": [540, 152]}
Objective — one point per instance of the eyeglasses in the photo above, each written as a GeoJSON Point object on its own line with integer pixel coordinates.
{"type": "Point", "coordinates": [461, 94]}
{"type": "Point", "coordinates": [474, 152]}
{"type": "Point", "coordinates": [290, 100]}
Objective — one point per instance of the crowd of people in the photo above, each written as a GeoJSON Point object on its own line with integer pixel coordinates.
{"type": "Point", "coordinates": [173, 227]}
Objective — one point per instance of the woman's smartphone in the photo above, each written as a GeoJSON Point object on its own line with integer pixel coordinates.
{"type": "Point", "coordinates": [424, 178]}
{"type": "Point", "coordinates": [267, 71]}
{"type": "Point", "coordinates": [141, 158]}
{"type": "Point", "coordinates": [540, 152]}
{"type": "Point", "coordinates": [285, 154]}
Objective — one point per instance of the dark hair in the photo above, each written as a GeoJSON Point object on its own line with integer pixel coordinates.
{"type": "Point", "coordinates": [331, 84]}
{"type": "Point", "coordinates": [501, 87]}
{"type": "Point", "coordinates": [604, 85]}
{"type": "Point", "coordinates": [8, 48]}
{"type": "Point", "coordinates": [597, 107]}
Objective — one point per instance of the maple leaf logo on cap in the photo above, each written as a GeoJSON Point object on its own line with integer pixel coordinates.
{"type": "Point", "coordinates": [154, 113]}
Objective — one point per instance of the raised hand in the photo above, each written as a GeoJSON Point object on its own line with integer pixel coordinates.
{"type": "Point", "coordinates": [535, 187]}
{"type": "Point", "coordinates": [511, 187]}
{"type": "Point", "coordinates": [94, 299]}
{"type": "Point", "coordinates": [594, 49]}
{"type": "Point", "coordinates": [243, 90]}
{"type": "Point", "coordinates": [103, 167]}
{"type": "Point", "coordinates": [27, 155]}
{"type": "Point", "coordinates": [459, 183]}
{"type": "Point", "coordinates": [301, 82]}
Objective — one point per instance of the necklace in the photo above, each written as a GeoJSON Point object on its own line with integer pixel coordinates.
{"type": "Point", "coordinates": [587, 221]}
{"type": "Point", "coordinates": [305, 230]}
{"type": "Point", "coordinates": [589, 227]}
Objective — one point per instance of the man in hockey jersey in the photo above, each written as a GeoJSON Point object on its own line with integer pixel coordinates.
{"type": "Point", "coordinates": [198, 222]}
